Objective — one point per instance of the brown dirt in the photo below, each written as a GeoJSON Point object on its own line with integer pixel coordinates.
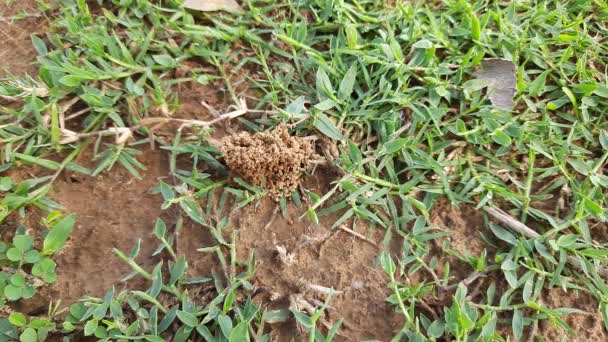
{"type": "Point", "coordinates": [17, 53]}
{"type": "Point", "coordinates": [191, 237]}
{"type": "Point", "coordinates": [293, 254]}
{"type": "Point", "coordinates": [113, 210]}
{"type": "Point", "coordinates": [273, 159]}
{"type": "Point", "coordinates": [587, 327]}
{"type": "Point", "coordinates": [464, 225]}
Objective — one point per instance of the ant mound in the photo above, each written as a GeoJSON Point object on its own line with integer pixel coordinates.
{"type": "Point", "coordinates": [274, 160]}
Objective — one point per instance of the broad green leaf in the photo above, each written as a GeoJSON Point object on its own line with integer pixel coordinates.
{"type": "Point", "coordinates": [71, 81]}
{"type": "Point", "coordinates": [39, 45]}
{"type": "Point", "coordinates": [6, 183]}
{"type": "Point", "coordinates": [327, 127]}
{"type": "Point", "coordinates": [387, 263]}
{"type": "Point", "coordinates": [604, 139]}
{"type": "Point", "coordinates": [187, 318]}
{"type": "Point", "coordinates": [58, 235]}
{"type": "Point", "coordinates": [303, 319]}
{"type": "Point", "coordinates": [394, 146]}
{"type": "Point", "coordinates": [323, 84]}
{"type": "Point", "coordinates": [13, 254]}
{"type": "Point", "coordinates": [45, 269]}
{"type": "Point", "coordinates": [567, 240]}
{"type": "Point", "coordinates": [422, 44]}
{"type": "Point", "coordinates": [228, 301]}
{"type": "Point", "coordinates": [536, 87]}
{"type": "Point", "coordinates": [240, 332]}
{"type": "Point", "coordinates": [28, 335]}
{"type": "Point", "coordinates": [167, 191]}
{"type": "Point", "coordinates": [580, 166]}
{"type": "Point", "coordinates": [160, 229]}
{"type": "Point", "coordinates": [164, 60]}
{"type": "Point", "coordinates": [501, 138]}
{"type": "Point", "coordinates": [436, 328]}
{"type": "Point", "coordinates": [225, 325]}
{"type": "Point", "coordinates": [17, 319]}
{"type": "Point", "coordinates": [178, 270]}
{"type": "Point", "coordinates": [23, 242]}
{"type": "Point", "coordinates": [488, 329]}
{"type": "Point", "coordinates": [508, 265]}
{"type": "Point", "coordinates": [326, 104]}
{"type": "Point", "coordinates": [475, 27]}
{"type": "Point", "coordinates": [193, 209]}
{"type": "Point", "coordinates": [90, 327]}
{"type": "Point", "coordinates": [518, 324]}
{"type": "Point", "coordinates": [12, 292]}
{"type": "Point", "coordinates": [204, 331]}
{"type": "Point", "coordinates": [347, 84]}
{"type": "Point", "coordinates": [593, 207]}
{"type": "Point", "coordinates": [49, 164]}
{"type": "Point", "coordinates": [18, 279]}
{"type": "Point", "coordinates": [503, 234]}
{"type": "Point", "coordinates": [168, 319]}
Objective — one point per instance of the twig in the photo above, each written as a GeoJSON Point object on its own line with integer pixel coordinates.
{"type": "Point", "coordinates": [511, 222]}
{"type": "Point", "coordinates": [466, 281]}
{"type": "Point", "coordinates": [358, 235]}
{"type": "Point", "coordinates": [322, 289]}
{"type": "Point", "coordinates": [272, 217]}
{"type": "Point", "coordinates": [70, 136]}
{"type": "Point", "coordinates": [78, 113]}
{"type": "Point", "coordinates": [528, 232]}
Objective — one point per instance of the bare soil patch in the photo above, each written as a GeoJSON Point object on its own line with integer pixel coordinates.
{"type": "Point", "coordinates": [113, 210]}
{"type": "Point", "coordinates": [297, 261]}
{"type": "Point", "coordinates": [17, 55]}
{"type": "Point", "coordinates": [588, 326]}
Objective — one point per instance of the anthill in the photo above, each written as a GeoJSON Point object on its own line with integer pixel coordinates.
{"type": "Point", "coordinates": [274, 159]}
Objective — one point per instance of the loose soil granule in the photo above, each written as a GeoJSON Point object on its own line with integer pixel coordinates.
{"type": "Point", "coordinates": [274, 160]}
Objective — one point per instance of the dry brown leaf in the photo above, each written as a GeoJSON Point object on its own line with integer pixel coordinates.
{"type": "Point", "coordinates": [501, 74]}
{"type": "Point", "coordinates": [213, 5]}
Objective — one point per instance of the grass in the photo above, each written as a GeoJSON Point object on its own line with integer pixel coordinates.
{"type": "Point", "coordinates": [392, 89]}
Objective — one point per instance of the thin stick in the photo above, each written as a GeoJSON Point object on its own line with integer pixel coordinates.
{"type": "Point", "coordinates": [511, 222]}
{"type": "Point", "coordinates": [466, 281]}
{"type": "Point", "coordinates": [322, 289]}
{"type": "Point", "coordinates": [73, 136]}
{"type": "Point", "coordinates": [78, 113]}
{"type": "Point", "coordinates": [528, 232]}
{"type": "Point", "coordinates": [272, 217]}
{"type": "Point", "coordinates": [355, 234]}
